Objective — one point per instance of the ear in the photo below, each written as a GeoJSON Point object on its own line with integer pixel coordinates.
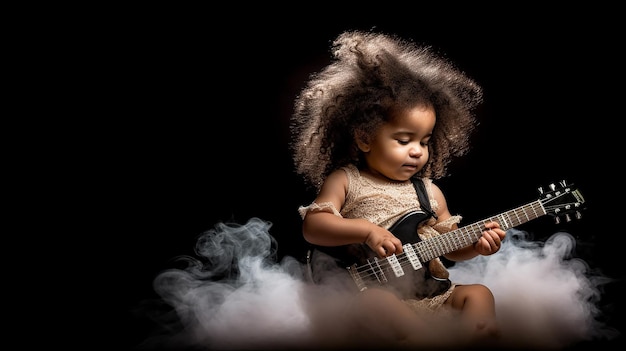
{"type": "Point", "coordinates": [362, 142]}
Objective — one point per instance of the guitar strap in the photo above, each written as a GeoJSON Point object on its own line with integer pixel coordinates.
{"type": "Point", "coordinates": [422, 195]}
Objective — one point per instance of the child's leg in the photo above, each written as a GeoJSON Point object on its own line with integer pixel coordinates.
{"type": "Point", "coordinates": [385, 321]}
{"type": "Point", "coordinates": [477, 306]}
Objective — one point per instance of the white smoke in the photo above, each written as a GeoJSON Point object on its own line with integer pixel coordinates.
{"type": "Point", "coordinates": [235, 295]}
{"type": "Point", "coordinates": [545, 297]}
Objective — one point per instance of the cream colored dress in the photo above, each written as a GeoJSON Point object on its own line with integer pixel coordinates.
{"type": "Point", "coordinates": [384, 203]}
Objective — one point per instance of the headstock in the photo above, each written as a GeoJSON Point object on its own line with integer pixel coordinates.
{"type": "Point", "coordinates": [562, 200]}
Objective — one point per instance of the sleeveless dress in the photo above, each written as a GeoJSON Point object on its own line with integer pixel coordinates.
{"type": "Point", "coordinates": [383, 203]}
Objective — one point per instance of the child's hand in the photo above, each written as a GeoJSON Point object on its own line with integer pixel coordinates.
{"type": "Point", "coordinates": [491, 240]}
{"type": "Point", "coordinates": [382, 242]}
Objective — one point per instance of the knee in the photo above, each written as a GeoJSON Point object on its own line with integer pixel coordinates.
{"type": "Point", "coordinates": [463, 293]}
{"type": "Point", "coordinates": [480, 290]}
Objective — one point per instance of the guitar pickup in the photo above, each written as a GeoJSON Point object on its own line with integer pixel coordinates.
{"type": "Point", "coordinates": [395, 265]}
{"type": "Point", "coordinates": [412, 256]}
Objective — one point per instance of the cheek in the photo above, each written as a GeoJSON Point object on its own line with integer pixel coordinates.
{"type": "Point", "coordinates": [395, 153]}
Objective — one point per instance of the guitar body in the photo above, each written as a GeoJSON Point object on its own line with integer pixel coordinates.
{"type": "Point", "coordinates": [417, 283]}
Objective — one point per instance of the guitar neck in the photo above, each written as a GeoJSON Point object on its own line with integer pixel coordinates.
{"type": "Point", "coordinates": [469, 234]}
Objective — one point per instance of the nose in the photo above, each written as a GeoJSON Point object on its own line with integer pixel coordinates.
{"type": "Point", "coordinates": [415, 151]}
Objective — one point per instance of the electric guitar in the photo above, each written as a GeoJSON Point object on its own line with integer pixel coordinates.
{"type": "Point", "coordinates": [407, 272]}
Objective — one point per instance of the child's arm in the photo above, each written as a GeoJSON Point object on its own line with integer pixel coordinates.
{"type": "Point", "coordinates": [325, 228]}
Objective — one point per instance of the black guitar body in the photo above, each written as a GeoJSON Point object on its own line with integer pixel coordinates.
{"type": "Point", "coordinates": [325, 262]}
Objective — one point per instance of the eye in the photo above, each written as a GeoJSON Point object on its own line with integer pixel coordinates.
{"type": "Point", "coordinates": [403, 142]}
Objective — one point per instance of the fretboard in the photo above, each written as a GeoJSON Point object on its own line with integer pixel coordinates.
{"type": "Point", "coordinates": [469, 234]}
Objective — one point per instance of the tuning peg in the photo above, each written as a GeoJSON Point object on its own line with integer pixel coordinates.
{"type": "Point", "coordinates": [552, 187]}
{"type": "Point", "coordinates": [557, 220]}
{"type": "Point", "coordinates": [568, 218]}
{"type": "Point", "coordinates": [563, 183]}
{"type": "Point", "coordinates": [578, 215]}
{"type": "Point", "coordinates": [540, 190]}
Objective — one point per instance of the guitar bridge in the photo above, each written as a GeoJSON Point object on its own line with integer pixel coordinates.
{"type": "Point", "coordinates": [360, 284]}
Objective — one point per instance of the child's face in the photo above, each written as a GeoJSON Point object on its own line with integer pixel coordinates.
{"type": "Point", "coordinates": [400, 148]}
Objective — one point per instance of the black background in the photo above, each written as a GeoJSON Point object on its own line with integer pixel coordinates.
{"type": "Point", "coordinates": [193, 109]}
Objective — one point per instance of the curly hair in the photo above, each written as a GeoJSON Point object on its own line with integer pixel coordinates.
{"type": "Point", "coordinates": [371, 76]}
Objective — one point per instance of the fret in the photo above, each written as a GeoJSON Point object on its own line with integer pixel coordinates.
{"type": "Point", "coordinates": [517, 218]}
{"type": "Point", "coordinates": [534, 211]}
{"type": "Point", "coordinates": [468, 235]}
{"type": "Point", "coordinates": [503, 222]}
{"type": "Point", "coordinates": [448, 243]}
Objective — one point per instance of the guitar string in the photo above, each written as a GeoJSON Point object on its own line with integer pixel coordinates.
{"type": "Point", "coordinates": [538, 209]}
{"type": "Point", "coordinates": [379, 267]}
{"type": "Point", "coordinates": [445, 240]}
